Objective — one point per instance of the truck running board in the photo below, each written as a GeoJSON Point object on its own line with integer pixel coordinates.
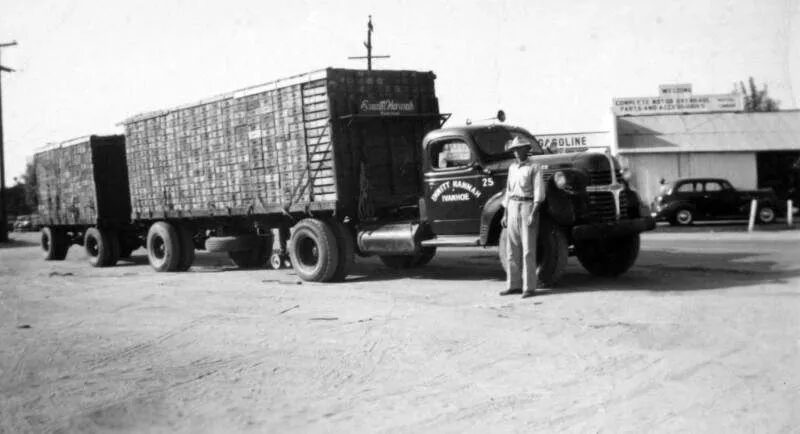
{"type": "Point", "coordinates": [452, 241]}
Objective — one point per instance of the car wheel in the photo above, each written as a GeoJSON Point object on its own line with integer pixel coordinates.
{"type": "Point", "coordinates": [766, 215]}
{"type": "Point", "coordinates": [684, 217]}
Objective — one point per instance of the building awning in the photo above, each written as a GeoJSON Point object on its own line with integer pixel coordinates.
{"type": "Point", "coordinates": [709, 132]}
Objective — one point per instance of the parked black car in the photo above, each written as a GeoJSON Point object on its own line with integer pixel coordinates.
{"type": "Point", "coordinates": [686, 200]}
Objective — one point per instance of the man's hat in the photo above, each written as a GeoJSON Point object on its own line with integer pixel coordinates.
{"type": "Point", "coordinates": [517, 142]}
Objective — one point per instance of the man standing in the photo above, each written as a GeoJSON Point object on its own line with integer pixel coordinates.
{"type": "Point", "coordinates": [524, 193]}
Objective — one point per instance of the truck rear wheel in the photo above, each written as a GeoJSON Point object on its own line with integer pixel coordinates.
{"type": "Point", "coordinates": [163, 247]}
{"type": "Point", "coordinates": [409, 261]}
{"type": "Point", "coordinates": [552, 250]}
{"type": "Point", "coordinates": [54, 244]}
{"type": "Point", "coordinates": [102, 247]}
{"type": "Point", "coordinates": [255, 256]}
{"type": "Point", "coordinates": [186, 235]}
{"type": "Point", "coordinates": [609, 257]}
{"type": "Point", "coordinates": [314, 251]}
{"type": "Point", "coordinates": [345, 240]}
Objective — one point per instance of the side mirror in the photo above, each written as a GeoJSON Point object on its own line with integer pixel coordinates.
{"type": "Point", "coordinates": [478, 166]}
{"type": "Point", "coordinates": [501, 116]}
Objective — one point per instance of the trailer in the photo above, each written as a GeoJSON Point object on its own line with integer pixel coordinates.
{"type": "Point", "coordinates": [84, 198]}
{"type": "Point", "coordinates": [308, 156]}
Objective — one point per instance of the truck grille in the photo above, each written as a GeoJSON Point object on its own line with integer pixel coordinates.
{"type": "Point", "coordinates": [602, 177]}
{"type": "Point", "coordinates": [601, 206]}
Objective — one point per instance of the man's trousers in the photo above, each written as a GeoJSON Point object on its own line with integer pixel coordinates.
{"type": "Point", "coordinates": [521, 245]}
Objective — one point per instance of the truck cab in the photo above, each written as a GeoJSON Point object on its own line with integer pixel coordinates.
{"type": "Point", "coordinates": [589, 211]}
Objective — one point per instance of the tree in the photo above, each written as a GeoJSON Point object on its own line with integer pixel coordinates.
{"type": "Point", "coordinates": [757, 100]}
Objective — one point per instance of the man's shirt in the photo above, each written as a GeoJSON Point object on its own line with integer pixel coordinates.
{"type": "Point", "coordinates": [524, 180]}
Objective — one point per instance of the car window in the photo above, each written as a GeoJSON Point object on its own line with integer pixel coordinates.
{"type": "Point", "coordinates": [687, 187]}
{"type": "Point", "coordinates": [713, 186]}
{"type": "Point", "coordinates": [726, 185]}
{"type": "Point", "coordinates": [492, 142]}
{"type": "Point", "coordinates": [449, 154]}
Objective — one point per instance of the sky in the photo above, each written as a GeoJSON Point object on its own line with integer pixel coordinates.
{"type": "Point", "coordinates": [83, 66]}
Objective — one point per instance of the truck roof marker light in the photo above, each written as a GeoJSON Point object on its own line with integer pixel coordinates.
{"type": "Point", "coordinates": [501, 116]}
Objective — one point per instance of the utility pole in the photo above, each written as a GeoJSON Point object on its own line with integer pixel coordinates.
{"type": "Point", "coordinates": [3, 217]}
{"type": "Point", "coordinates": [368, 44]}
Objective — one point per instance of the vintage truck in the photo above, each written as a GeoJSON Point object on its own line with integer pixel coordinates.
{"type": "Point", "coordinates": [313, 169]}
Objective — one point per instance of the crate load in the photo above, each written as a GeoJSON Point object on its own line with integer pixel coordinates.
{"type": "Point", "coordinates": [333, 139]}
{"type": "Point", "coordinates": [83, 181]}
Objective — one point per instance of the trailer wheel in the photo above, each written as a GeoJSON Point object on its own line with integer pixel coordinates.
{"type": "Point", "coordinates": [54, 243]}
{"type": "Point", "coordinates": [314, 251]}
{"type": "Point", "coordinates": [163, 247]}
{"type": "Point", "coordinates": [102, 247]}
{"type": "Point", "coordinates": [345, 240]}
{"type": "Point", "coordinates": [256, 256]}
{"type": "Point", "coordinates": [552, 250]}
{"type": "Point", "coordinates": [186, 236]}
{"type": "Point", "coordinates": [609, 257]}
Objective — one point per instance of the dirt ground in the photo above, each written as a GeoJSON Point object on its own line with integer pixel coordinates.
{"type": "Point", "coordinates": [702, 335]}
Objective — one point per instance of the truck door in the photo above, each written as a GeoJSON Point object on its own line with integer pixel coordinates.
{"type": "Point", "coordinates": [456, 188]}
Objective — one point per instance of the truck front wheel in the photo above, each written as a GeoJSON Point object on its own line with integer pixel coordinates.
{"type": "Point", "coordinates": [54, 244]}
{"type": "Point", "coordinates": [102, 247]}
{"type": "Point", "coordinates": [552, 250]}
{"type": "Point", "coordinates": [314, 250]}
{"type": "Point", "coordinates": [163, 247]}
{"type": "Point", "coordinates": [609, 257]}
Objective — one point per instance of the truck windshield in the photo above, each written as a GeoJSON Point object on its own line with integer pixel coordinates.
{"type": "Point", "coordinates": [492, 142]}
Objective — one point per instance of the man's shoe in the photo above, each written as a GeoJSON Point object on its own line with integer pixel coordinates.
{"type": "Point", "coordinates": [511, 291]}
{"type": "Point", "coordinates": [527, 294]}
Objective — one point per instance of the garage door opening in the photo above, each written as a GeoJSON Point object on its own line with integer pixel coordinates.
{"type": "Point", "coordinates": [780, 171]}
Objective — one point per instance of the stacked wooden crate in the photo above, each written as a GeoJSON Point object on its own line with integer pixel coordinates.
{"type": "Point", "coordinates": [245, 152]}
{"type": "Point", "coordinates": [277, 146]}
{"type": "Point", "coordinates": [65, 182]}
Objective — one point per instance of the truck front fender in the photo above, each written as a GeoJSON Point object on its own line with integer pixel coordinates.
{"type": "Point", "coordinates": [490, 219]}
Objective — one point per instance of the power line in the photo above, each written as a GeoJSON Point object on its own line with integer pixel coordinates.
{"type": "Point", "coordinates": [368, 45]}
{"type": "Point", "coordinates": [3, 217]}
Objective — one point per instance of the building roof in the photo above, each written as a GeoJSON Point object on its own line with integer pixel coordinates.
{"type": "Point", "coordinates": [709, 132]}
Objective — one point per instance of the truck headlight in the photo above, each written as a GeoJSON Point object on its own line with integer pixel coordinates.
{"type": "Point", "coordinates": [560, 179]}
{"type": "Point", "coordinates": [626, 174]}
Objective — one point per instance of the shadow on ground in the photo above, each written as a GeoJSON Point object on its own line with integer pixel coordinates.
{"type": "Point", "coordinates": [654, 271]}
{"type": "Point", "coordinates": [17, 242]}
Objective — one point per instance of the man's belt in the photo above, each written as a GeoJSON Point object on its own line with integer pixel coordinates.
{"type": "Point", "coordinates": [522, 198]}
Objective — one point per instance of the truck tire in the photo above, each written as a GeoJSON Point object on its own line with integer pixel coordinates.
{"type": "Point", "coordinates": [256, 256]}
{"type": "Point", "coordinates": [345, 240]}
{"type": "Point", "coordinates": [54, 244]}
{"type": "Point", "coordinates": [186, 236]}
{"type": "Point", "coordinates": [235, 243]}
{"type": "Point", "coordinates": [163, 247]}
{"type": "Point", "coordinates": [608, 257]}
{"type": "Point", "coordinates": [766, 214]}
{"type": "Point", "coordinates": [409, 261]}
{"type": "Point", "coordinates": [313, 250]}
{"type": "Point", "coordinates": [552, 250]}
{"type": "Point", "coordinates": [102, 247]}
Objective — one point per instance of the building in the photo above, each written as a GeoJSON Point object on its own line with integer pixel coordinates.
{"type": "Point", "coordinates": [670, 137]}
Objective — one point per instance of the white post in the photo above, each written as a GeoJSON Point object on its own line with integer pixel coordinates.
{"type": "Point", "coordinates": [752, 222]}
{"type": "Point", "coordinates": [789, 212]}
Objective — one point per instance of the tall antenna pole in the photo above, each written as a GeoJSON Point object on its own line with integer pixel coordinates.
{"type": "Point", "coordinates": [368, 44]}
{"type": "Point", "coordinates": [3, 217]}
